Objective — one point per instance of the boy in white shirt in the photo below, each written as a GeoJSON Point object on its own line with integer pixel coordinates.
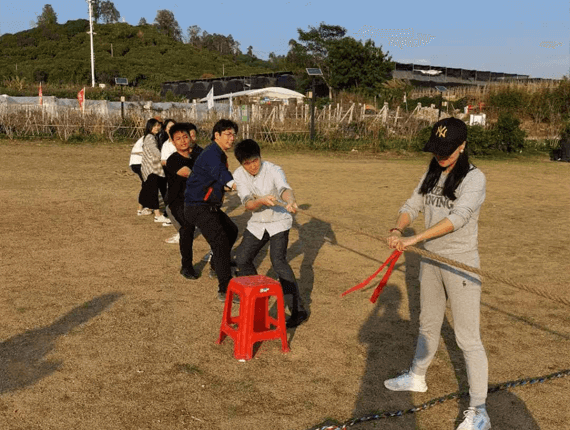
{"type": "Point", "coordinates": [260, 186]}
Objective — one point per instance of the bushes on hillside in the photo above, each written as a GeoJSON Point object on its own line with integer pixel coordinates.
{"type": "Point", "coordinates": [505, 136]}
{"type": "Point", "coordinates": [509, 99]}
{"type": "Point", "coordinates": [546, 105]}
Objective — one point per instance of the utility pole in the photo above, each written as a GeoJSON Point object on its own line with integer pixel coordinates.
{"type": "Point", "coordinates": [90, 2]}
{"type": "Point", "coordinates": [312, 72]}
{"type": "Point", "coordinates": [313, 97]}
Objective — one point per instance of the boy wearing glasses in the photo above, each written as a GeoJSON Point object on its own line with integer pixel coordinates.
{"type": "Point", "coordinates": [261, 185]}
{"type": "Point", "coordinates": [205, 188]}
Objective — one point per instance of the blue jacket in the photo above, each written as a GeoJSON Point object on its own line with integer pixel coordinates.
{"type": "Point", "coordinates": [205, 185]}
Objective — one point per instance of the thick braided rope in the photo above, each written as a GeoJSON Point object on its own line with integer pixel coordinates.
{"type": "Point", "coordinates": [528, 288]}
{"type": "Point", "coordinates": [440, 400]}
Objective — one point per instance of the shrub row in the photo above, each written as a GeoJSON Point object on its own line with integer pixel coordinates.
{"type": "Point", "coordinates": [549, 104]}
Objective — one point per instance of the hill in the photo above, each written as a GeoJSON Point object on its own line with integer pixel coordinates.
{"type": "Point", "coordinates": [60, 54]}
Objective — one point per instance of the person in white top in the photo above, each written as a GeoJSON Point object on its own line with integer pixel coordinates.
{"type": "Point", "coordinates": [168, 147]}
{"type": "Point", "coordinates": [261, 185]}
{"type": "Point", "coordinates": [135, 165]}
{"type": "Point", "coordinates": [136, 157]}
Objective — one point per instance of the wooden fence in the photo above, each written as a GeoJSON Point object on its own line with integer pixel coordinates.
{"type": "Point", "coordinates": [259, 121]}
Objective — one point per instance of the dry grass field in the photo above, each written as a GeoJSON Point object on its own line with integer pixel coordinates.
{"type": "Point", "coordinates": [99, 330]}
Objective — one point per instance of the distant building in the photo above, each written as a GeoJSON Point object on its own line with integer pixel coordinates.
{"type": "Point", "coordinates": [429, 76]}
{"type": "Point", "coordinates": [199, 88]}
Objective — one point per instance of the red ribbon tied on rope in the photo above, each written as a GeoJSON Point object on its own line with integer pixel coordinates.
{"type": "Point", "coordinates": [392, 262]}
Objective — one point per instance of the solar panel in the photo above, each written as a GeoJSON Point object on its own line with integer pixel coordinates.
{"type": "Point", "coordinates": [314, 72]}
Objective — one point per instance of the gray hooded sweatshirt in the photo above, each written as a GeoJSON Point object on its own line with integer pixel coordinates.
{"type": "Point", "coordinates": [463, 212]}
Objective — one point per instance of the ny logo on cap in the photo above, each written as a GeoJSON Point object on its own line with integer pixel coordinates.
{"type": "Point", "coordinates": [441, 131]}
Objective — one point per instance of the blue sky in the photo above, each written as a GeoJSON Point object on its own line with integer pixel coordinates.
{"type": "Point", "coordinates": [524, 37]}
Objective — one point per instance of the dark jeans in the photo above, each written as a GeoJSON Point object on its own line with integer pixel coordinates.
{"type": "Point", "coordinates": [220, 232]}
{"type": "Point", "coordinates": [250, 247]}
{"type": "Point", "coordinates": [186, 230]}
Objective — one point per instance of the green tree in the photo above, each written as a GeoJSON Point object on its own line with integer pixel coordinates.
{"type": "Point", "coordinates": [95, 9]}
{"type": "Point", "coordinates": [48, 16]}
{"type": "Point", "coordinates": [142, 21]}
{"type": "Point", "coordinates": [313, 48]}
{"type": "Point", "coordinates": [345, 62]}
{"type": "Point", "coordinates": [359, 66]}
{"type": "Point", "coordinates": [194, 35]}
{"type": "Point", "coordinates": [225, 45]}
{"type": "Point", "coordinates": [167, 24]}
{"type": "Point", "coordinates": [109, 14]}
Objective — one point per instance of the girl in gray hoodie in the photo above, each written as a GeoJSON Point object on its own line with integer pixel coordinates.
{"type": "Point", "coordinates": [450, 194]}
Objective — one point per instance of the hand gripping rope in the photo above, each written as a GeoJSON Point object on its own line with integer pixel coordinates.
{"type": "Point", "coordinates": [429, 255]}
{"type": "Point", "coordinates": [391, 262]}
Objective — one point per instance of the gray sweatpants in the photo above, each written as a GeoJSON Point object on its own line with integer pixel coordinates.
{"type": "Point", "coordinates": [464, 292]}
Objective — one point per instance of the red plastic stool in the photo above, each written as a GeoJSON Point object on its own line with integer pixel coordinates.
{"type": "Point", "coordinates": [253, 322]}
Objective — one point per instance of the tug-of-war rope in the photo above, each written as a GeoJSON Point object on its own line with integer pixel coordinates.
{"type": "Point", "coordinates": [390, 262]}
{"type": "Point", "coordinates": [430, 255]}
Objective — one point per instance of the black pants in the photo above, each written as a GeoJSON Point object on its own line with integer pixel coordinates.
{"type": "Point", "coordinates": [220, 233]}
{"type": "Point", "coordinates": [250, 247]}
{"type": "Point", "coordinates": [186, 231]}
{"type": "Point", "coordinates": [148, 196]}
{"type": "Point", "coordinates": [136, 168]}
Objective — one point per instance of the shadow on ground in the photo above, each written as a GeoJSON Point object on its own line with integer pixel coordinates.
{"type": "Point", "coordinates": [23, 357]}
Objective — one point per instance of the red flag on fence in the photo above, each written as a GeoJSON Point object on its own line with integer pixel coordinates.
{"type": "Point", "coordinates": [81, 99]}
{"type": "Point", "coordinates": [41, 95]}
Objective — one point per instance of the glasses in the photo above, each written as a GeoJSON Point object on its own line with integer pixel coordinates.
{"type": "Point", "coordinates": [229, 134]}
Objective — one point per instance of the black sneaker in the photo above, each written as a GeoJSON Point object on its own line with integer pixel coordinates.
{"type": "Point", "coordinates": [188, 273]}
{"type": "Point", "coordinates": [297, 318]}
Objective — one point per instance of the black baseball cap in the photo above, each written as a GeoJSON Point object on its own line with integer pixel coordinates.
{"type": "Point", "coordinates": [446, 136]}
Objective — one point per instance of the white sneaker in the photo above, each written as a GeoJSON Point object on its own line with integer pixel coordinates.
{"type": "Point", "coordinates": [144, 211]}
{"type": "Point", "coordinates": [160, 218]}
{"type": "Point", "coordinates": [407, 381]}
{"type": "Point", "coordinates": [173, 239]}
{"type": "Point", "coordinates": [475, 419]}
{"type": "Point", "coordinates": [167, 224]}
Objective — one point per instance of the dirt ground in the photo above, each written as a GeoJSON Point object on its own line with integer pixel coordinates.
{"type": "Point", "coordinates": [100, 331]}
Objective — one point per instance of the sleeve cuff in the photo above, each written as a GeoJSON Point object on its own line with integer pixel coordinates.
{"type": "Point", "coordinates": [456, 220]}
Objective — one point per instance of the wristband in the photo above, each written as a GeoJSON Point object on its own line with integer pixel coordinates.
{"type": "Point", "coordinates": [396, 229]}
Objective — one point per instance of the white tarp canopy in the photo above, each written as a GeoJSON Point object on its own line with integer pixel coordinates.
{"type": "Point", "coordinates": [270, 92]}
{"type": "Point", "coordinates": [430, 72]}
